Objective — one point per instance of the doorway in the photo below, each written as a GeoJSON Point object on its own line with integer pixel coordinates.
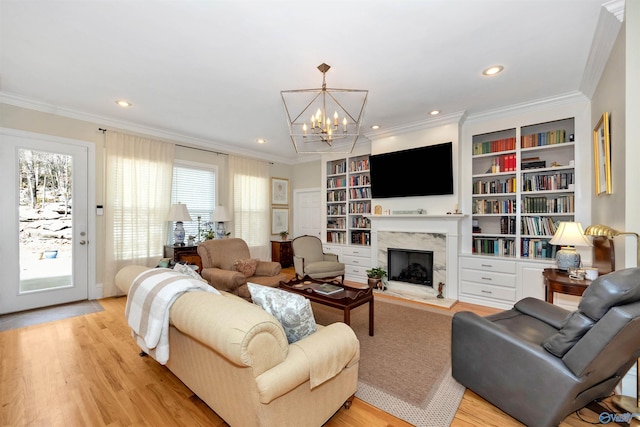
{"type": "Point", "coordinates": [45, 222]}
{"type": "Point", "coordinates": [307, 208]}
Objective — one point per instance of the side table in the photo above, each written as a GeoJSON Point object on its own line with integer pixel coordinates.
{"type": "Point", "coordinates": [188, 254]}
{"type": "Point", "coordinates": [556, 280]}
{"type": "Point", "coordinates": [282, 252]}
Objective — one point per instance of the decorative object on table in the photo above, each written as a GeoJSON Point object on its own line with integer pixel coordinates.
{"type": "Point", "coordinates": [279, 220]}
{"type": "Point", "coordinates": [220, 216]}
{"type": "Point", "coordinates": [208, 233]}
{"type": "Point", "coordinates": [324, 120]}
{"type": "Point", "coordinates": [191, 240]}
{"type": "Point", "coordinates": [375, 276]}
{"type": "Point", "coordinates": [283, 234]}
{"type": "Point", "coordinates": [602, 155]}
{"type": "Point", "coordinates": [440, 289]}
{"type": "Point", "coordinates": [279, 191]}
{"type": "Point", "coordinates": [568, 236]}
{"type": "Point", "coordinates": [179, 213]}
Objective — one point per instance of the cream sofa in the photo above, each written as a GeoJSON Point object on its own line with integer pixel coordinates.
{"type": "Point", "coordinates": [236, 358]}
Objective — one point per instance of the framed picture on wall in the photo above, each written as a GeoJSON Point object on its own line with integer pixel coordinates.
{"type": "Point", "coordinates": [602, 155]}
{"type": "Point", "coordinates": [279, 220]}
{"type": "Point", "coordinates": [279, 191]}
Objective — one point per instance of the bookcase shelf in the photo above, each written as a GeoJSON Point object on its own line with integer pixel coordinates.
{"type": "Point", "coordinates": [523, 185]}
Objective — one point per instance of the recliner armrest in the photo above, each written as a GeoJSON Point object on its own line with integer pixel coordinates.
{"type": "Point", "coordinates": [548, 313]}
{"type": "Point", "coordinates": [268, 268]}
{"type": "Point", "coordinates": [224, 280]}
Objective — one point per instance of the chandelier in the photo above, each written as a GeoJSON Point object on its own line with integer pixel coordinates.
{"type": "Point", "coordinates": [324, 120]}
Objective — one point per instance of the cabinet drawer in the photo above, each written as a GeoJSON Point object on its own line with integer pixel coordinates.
{"type": "Point", "coordinates": [356, 251]}
{"type": "Point", "coordinates": [489, 278]}
{"type": "Point", "coordinates": [356, 261]}
{"type": "Point", "coordinates": [488, 291]}
{"type": "Point", "coordinates": [500, 266]}
{"type": "Point", "coordinates": [354, 270]}
{"type": "Point", "coordinates": [331, 249]}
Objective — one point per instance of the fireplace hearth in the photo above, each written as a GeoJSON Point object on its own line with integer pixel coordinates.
{"type": "Point", "coordinates": [410, 266]}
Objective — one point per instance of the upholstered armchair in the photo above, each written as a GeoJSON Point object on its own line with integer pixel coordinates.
{"type": "Point", "coordinates": [310, 260]}
{"type": "Point", "coordinates": [227, 265]}
{"type": "Point", "coordinates": [539, 362]}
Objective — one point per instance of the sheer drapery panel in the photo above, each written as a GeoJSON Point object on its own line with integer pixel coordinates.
{"type": "Point", "coordinates": [138, 176]}
{"type": "Point", "coordinates": [249, 185]}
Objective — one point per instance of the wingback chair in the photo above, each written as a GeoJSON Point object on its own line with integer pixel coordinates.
{"type": "Point", "coordinates": [539, 362]}
{"type": "Point", "coordinates": [227, 265]}
{"type": "Point", "coordinates": [310, 260]}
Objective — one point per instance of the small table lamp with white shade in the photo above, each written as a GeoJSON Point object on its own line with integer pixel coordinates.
{"type": "Point", "coordinates": [568, 236]}
{"type": "Point", "coordinates": [179, 213]}
{"type": "Point", "coordinates": [220, 216]}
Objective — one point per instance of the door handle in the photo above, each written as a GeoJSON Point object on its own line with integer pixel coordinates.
{"type": "Point", "coordinates": [82, 242]}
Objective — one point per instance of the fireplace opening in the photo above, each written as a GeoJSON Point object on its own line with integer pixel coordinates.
{"type": "Point", "coordinates": [410, 266]}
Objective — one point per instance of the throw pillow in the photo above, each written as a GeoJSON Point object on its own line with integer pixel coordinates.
{"type": "Point", "coordinates": [246, 266]}
{"type": "Point", "coordinates": [574, 326]}
{"type": "Point", "coordinates": [188, 271]}
{"type": "Point", "coordinates": [292, 311]}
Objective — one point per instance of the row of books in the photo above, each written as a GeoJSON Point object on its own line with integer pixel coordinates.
{"type": "Point", "coordinates": [356, 180]}
{"type": "Point", "coordinates": [506, 163]}
{"type": "Point", "coordinates": [360, 193]}
{"type": "Point", "coordinates": [495, 246]}
{"type": "Point", "coordinates": [507, 225]}
{"type": "Point", "coordinates": [359, 207]}
{"type": "Point", "coordinates": [336, 183]}
{"type": "Point", "coordinates": [360, 238]}
{"type": "Point", "coordinates": [541, 204]}
{"type": "Point", "coordinates": [337, 167]}
{"type": "Point", "coordinates": [333, 210]}
{"type": "Point", "coordinates": [493, 206]}
{"type": "Point", "coordinates": [505, 144]}
{"type": "Point", "coordinates": [557, 181]}
{"type": "Point", "coordinates": [360, 222]}
{"type": "Point", "coordinates": [336, 196]}
{"type": "Point", "coordinates": [537, 248]}
{"type": "Point", "coordinates": [359, 165]}
{"type": "Point", "coordinates": [543, 138]}
{"type": "Point", "coordinates": [336, 237]}
{"type": "Point", "coordinates": [496, 186]}
{"type": "Point", "coordinates": [337, 223]}
{"type": "Point", "coordinates": [539, 226]}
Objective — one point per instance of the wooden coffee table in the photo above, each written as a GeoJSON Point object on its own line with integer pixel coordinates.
{"type": "Point", "coordinates": [345, 300]}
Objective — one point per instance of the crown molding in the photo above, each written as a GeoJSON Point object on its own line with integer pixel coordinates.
{"type": "Point", "coordinates": [453, 118]}
{"type": "Point", "coordinates": [109, 122]}
{"type": "Point", "coordinates": [607, 29]}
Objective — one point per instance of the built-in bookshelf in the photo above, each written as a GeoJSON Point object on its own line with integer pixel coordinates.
{"type": "Point", "coordinates": [348, 201]}
{"type": "Point", "coordinates": [523, 185]}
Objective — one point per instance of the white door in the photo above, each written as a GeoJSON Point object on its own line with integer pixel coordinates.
{"type": "Point", "coordinates": [44, 221]}
{"type": "Point", "coordinates": [307, 212]}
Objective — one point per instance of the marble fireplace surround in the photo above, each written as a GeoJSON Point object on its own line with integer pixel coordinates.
{"type": "Point", "coordinates": [437, 233]}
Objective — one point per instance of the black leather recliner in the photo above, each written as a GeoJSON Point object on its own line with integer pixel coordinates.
{"type": "Point", "coordinates": [539, 362]}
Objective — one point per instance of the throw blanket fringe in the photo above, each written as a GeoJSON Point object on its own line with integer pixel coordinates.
{"type": "Point", "coordinates": [150, 298]}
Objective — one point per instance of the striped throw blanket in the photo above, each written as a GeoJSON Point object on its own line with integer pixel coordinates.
{"type": "Point", "coordinates": [150, 298]}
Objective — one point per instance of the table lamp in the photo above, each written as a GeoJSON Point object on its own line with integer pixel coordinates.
{"type": "Point", "coordinates": [220, 215]}
{"type": "Point", "coordinates": [568, 236]}
{"type": "Point", "coordinates": [179, 213]}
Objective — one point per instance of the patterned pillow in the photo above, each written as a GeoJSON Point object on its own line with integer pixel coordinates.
{"type": "Point", "coordinates": [186, 270]}
{"type": "Point", "coordinates": [246, 266]}
{"type": "Point", "coordinates": [292, 311]}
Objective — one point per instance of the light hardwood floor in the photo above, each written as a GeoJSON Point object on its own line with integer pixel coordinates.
{"type": "Point", "coordinates": [85, 371]}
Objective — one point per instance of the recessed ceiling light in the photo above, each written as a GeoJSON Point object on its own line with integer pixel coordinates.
{"type": "Point", "coordinates": [123, 103]}
{"type": "Point", "coordinates": [261, 141]}
{"type": "Point", "coordinates": [375, 127]}
{"type": "Point", "coordinates": [493, 70]}
{"type": "Point", "coordinates": [434, 112]}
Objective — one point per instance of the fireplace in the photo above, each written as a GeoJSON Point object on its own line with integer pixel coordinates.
{"type": "Point", "coordinates": [410, 266]}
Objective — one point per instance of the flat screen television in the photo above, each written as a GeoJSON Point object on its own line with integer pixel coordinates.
{"type": "Point", "coordinates": [423, 171]}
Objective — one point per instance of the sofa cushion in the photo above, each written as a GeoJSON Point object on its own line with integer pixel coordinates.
{"type": "Point", "coordinates": [292, 311]}
{"type": "Point", "coordinates": [246, 266]}
{"type": "Point", "coordinates": [573, 328]}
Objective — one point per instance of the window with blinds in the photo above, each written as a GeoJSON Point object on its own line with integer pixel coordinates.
{"type": "Point", "coordinates": [195, 186]}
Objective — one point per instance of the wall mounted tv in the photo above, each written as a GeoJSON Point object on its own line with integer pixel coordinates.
{"type": "Point", "coordinates": [423, 171]}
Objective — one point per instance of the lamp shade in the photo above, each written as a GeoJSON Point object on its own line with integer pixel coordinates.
{"type": "Point", "coordinates": [179, 212]}
{"type": "Point", "coordinates": [221, 214]}
{"type": "Point", "coordinates": [570, 234]}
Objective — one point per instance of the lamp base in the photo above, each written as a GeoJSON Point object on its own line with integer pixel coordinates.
{"type": "Point", "coordinates": [567, 258]}
{"type": "Point", "coordinates": [627, 404]}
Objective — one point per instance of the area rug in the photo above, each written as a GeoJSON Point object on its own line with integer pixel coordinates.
{"type": "Point", "coordinates": [405, 368]}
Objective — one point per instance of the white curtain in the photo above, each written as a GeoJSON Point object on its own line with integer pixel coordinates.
{"type": "Point", "coordinates": [249, 190]}
{"type": "Point", "coordinates": [138, 173]}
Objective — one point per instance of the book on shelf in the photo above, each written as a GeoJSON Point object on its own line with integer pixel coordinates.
{"type": "Point", "coordinates": [327, 289]}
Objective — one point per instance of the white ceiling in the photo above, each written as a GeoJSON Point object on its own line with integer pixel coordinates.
{"type": "Point", "coordinates": [209, 73]}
